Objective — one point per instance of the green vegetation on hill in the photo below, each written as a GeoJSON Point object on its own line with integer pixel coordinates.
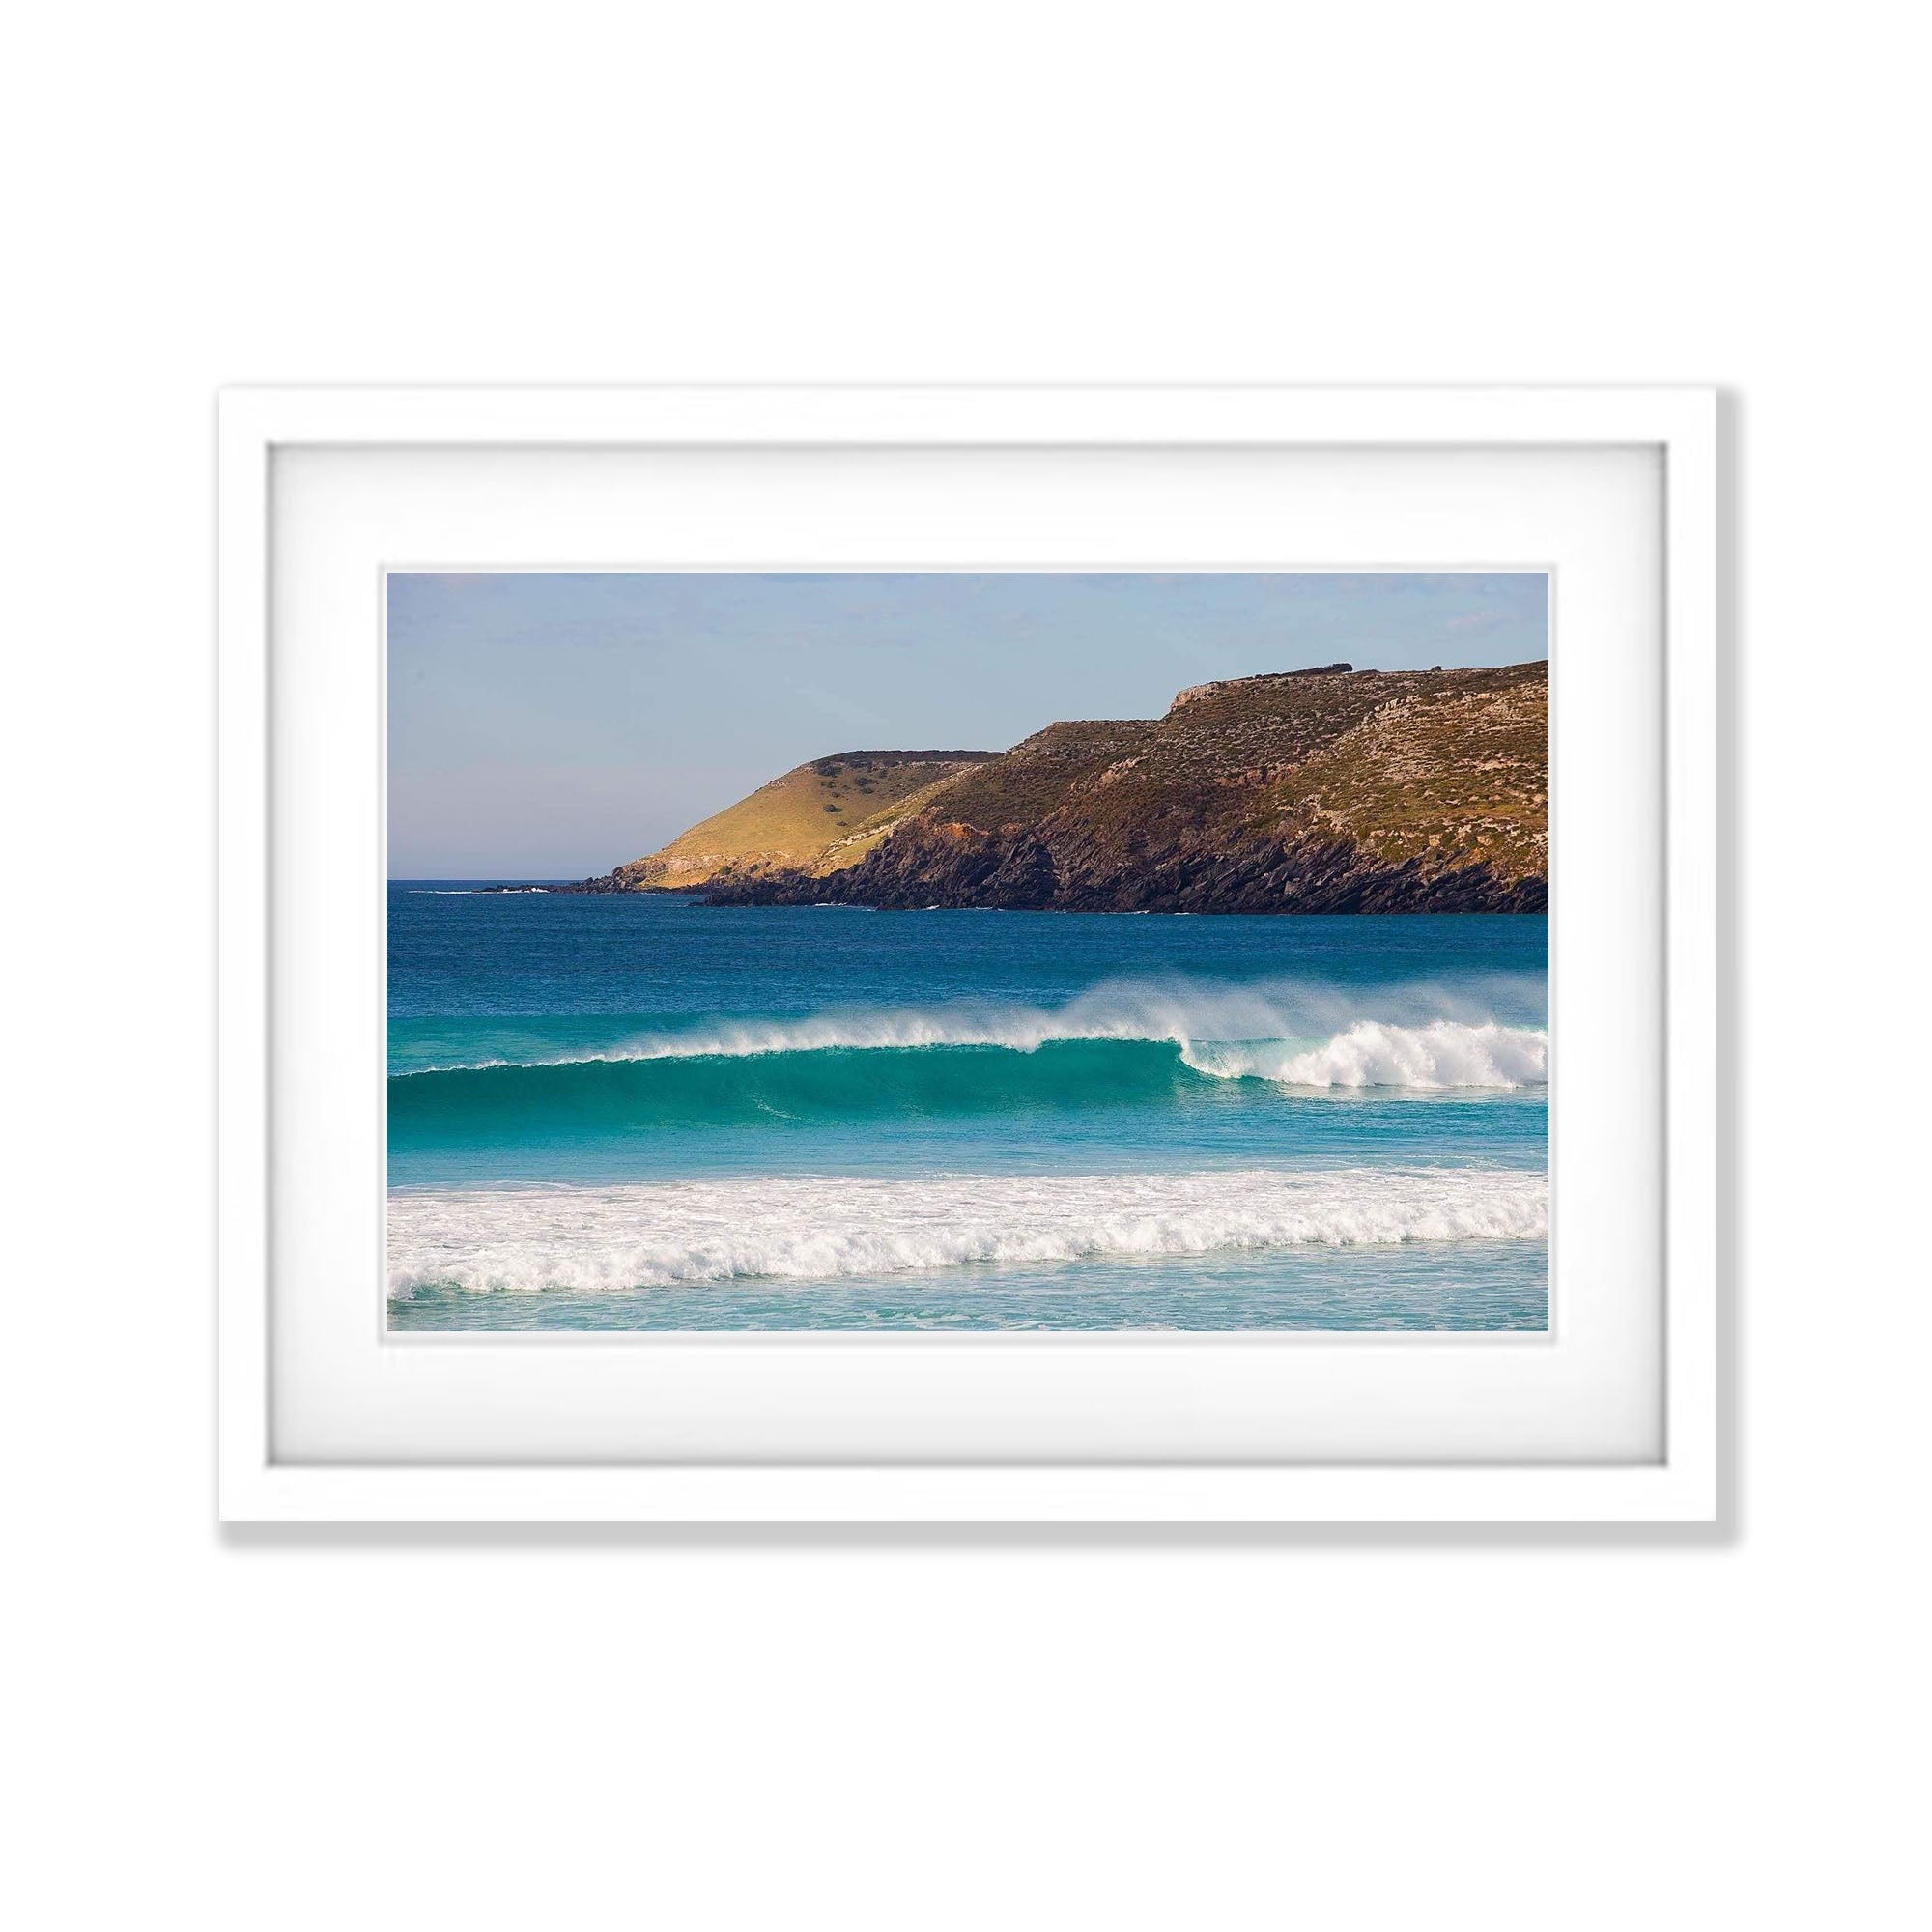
{"type": "Point", "coordinates": [1445, 776]}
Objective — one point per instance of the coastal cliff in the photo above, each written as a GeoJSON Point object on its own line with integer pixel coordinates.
{"type": "Point", "coordinates": [1330, 790]}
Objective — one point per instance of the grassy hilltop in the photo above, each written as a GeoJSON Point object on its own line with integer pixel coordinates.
{"type": "Point", "coordinates": [814, 819]}
{"type": "Point", "coordinates": [1328, 790]}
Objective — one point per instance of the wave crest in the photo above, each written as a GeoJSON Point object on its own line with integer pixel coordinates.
{"type": "Point", "coordinates": [1445, 1053]}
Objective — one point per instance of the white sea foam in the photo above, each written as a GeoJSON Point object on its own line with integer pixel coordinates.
{"type": "Point", "coordinates": [1291, 1035]}
{"type": "Point", "coordinates": [609, 1239]}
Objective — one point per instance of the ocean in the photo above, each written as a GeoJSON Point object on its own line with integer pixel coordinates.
{"type": "Point", "coordinates": [636, 1111]}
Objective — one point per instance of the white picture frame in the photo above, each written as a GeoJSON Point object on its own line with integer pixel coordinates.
{"type": "Point", "coordinates": [565, 1478]}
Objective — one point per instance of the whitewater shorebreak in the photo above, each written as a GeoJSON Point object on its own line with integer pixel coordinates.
{"type": "Point", "coordinates": [616, 1240]}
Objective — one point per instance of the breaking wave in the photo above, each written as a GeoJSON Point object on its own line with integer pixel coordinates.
{"type": "Point", "coordinates": [857, 1084]}
{"type": "Point", "coordinates": [1445, 1053]}
{"type": "Point", "coordinates": [1422, 1037]}
{"type": "Point", "coordinates": [1426, 1049]}
{"type": "Point", "coordinates": [1119, 1046]}
{"type": "Point", "coordinates": [628, 1239]}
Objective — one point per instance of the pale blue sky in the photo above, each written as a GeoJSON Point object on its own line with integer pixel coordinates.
{"type": "Point", "coordinates": [551, 725]}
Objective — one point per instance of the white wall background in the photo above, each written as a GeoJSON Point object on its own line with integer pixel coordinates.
{"type": "Point", "coordinates": [564, 1730]}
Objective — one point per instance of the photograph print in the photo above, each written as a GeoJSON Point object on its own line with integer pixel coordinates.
{"type": "Point", "coordinates": [948, 952]}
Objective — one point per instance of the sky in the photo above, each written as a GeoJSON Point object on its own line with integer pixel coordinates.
{"type": "Point", "coordinates": [553, 725]}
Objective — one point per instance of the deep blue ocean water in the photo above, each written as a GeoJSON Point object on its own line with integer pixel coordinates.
{"type": "Point", "coordinates": [639, 1112]}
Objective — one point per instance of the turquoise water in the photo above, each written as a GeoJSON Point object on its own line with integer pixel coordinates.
{"type": "Point", "coordinates": [637, 1112]}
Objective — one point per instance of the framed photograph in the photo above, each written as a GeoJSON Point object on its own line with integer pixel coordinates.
{"type": "Point", "coordinates": [968, 954]}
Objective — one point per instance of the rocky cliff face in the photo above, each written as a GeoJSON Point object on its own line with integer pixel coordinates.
{"type": "Point", "coordinates": [1312, 791]}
